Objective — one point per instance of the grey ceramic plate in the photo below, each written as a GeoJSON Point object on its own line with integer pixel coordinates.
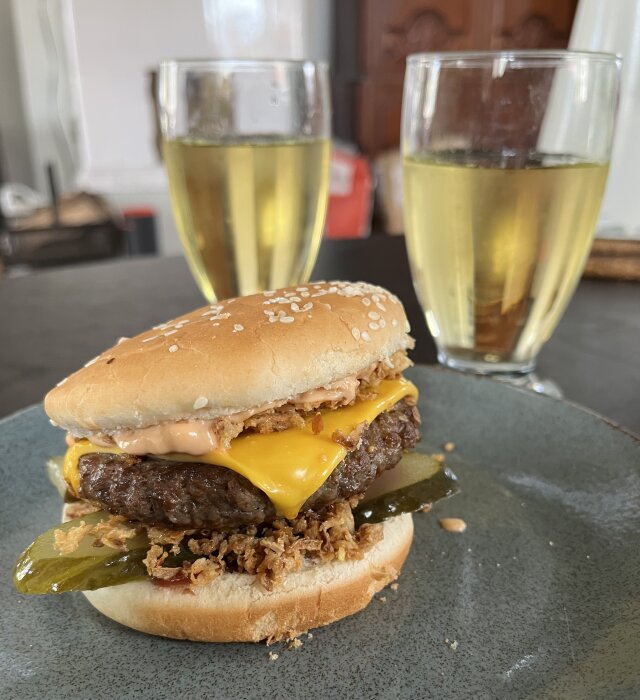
{"type": "Point", "coordinates": [541, 593]}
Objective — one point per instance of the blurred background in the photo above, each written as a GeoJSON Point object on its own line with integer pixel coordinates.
{"type": "Point", "coordinates": [81, 175]}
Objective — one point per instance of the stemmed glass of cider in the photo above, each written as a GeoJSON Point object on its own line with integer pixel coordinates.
{"type": "Point", "coordinates": [505, 158]}
{"type": "Point", "coordinates": [246, 146]}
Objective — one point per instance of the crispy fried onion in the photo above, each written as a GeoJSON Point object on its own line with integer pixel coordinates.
{"type": "Point", "coordinates": [288, 416]}
{"type": "Point", "coordinates": [268, 552]}
{"type": "Point", "coordinates": [112, 532]}
{"type": "Point", "coordinates": [352, 440]}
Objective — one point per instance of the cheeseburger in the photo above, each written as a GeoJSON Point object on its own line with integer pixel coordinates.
{"type": "Point", "coordinates": [217, 463]}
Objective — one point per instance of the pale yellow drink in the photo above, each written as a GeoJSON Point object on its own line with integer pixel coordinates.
{"type": "Point", "coordinates": [250, 213]}
{"type": "Point", "coordinates": [497, 248]}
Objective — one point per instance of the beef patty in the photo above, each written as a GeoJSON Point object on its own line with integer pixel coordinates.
{"type": "Point", "coordinates": [190, 494]}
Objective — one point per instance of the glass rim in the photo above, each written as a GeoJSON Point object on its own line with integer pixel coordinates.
{"type": "Point", "coordinates": [240, 63]}
{"type": "Point", "coordinates": [524, 56]}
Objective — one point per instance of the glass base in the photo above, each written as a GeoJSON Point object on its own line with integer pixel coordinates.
{"type": "Point", "coordinates": [518, 375]}
{"type": "Point", "coordinates": [483, 367]}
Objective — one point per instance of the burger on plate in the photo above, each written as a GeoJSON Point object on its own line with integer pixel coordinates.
{"type": "Point", "coordinates": [217, 464]}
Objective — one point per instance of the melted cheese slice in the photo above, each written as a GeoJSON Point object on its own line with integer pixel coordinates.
{"type": "Point", "coordinates": [288, 466]}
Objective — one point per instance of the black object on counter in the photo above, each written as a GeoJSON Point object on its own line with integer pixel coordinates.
{"type": "Point", "coordinates": [140, 231]}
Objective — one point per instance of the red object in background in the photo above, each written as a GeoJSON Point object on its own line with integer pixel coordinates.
{"type": "Point", "coordinates": [350, 196]}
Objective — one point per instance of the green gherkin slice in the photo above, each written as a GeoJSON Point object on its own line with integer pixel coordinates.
{"type": "Point", "coordinates": [416, 482]}
{"type": "Point", "coordinates": [42, 569]}
{"type": "Point", "coordinates": [55, 474]}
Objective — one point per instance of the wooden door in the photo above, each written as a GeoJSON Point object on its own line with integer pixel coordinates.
{"type": "Point", "coordinates": [374, 37]}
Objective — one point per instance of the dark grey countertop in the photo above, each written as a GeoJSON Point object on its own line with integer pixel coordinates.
{"type": "Point", "coordinates": [54, 321]}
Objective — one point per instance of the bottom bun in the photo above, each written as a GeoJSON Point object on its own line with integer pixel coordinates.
{"type": "Point", "coordinates": [233, 608]}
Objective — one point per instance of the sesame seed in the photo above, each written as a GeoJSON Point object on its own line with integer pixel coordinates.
{"type": "Point", "coordinates": [200, 402]}
{"type": "Point", "coordinates": [366, 301]}
{"type": "Point", "coordinates": [381, 306]}
{"type": "Point", "coordinates": [304, 295]}
{"type": "Point", "coordinates": [286, 319]}
{"type": "Point", "coordinates": [382, 323]}
{"type": "Point", "coordinates": [394, 322]}
{"type": "Point", "coordinates": [295, 307]}
{"type": "Point", "coordinates": [170, 332]}
{"type": "Point", "coordinates": [308, 306]}
{"type": "Point", "coordinates": [153, 337]}
{"type": "Point", "coordinates": [355, 332]}
{"type": "Point", "coordinates": [373, 326]}
{"type": "Point", "coordinates": [301, 289]}
{"type": "Point", "coordinates": [95, 359]}
{"type": "Point", "coordinates": [62, 381]}
{"type": "Point", "coordinates": [121, 340]}
{"type": "Point", "coordinates": [173, 348]}
{"type": "Point", "coordinates": [350, 290]}
{"type": "Point", "coordinates": [215, 312]}
{"type": "Point", "coordinates": [375, 297]}
{"type": "Point", "coordinates": [268, 294]}
{"type": "Point", "coordinates": [365, 336]}
{"type": "Point", "coordinates": [237, 327]}
{"type": "Point", "coordinates": [373, 315]}
{"type": "Point", "coordinates": [53, 423]}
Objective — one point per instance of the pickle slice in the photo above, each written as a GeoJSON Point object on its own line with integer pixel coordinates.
{"type": "Point", "coordinates": [415, 482]}
{"type": "Point", "coordinates": [42, 569]}
{"type": "Point", "coordinates": [54, 472]}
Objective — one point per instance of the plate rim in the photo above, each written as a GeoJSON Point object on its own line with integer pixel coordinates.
{"type": "Point", "coordinates": [542, 397]}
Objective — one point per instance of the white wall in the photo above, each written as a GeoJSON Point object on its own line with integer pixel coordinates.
{"type": "Point", "coordinates": [15, 160]}
{"type": "Point", "coordinates": [47, 95]}
{"type": "Point", "coordinates": [598, 27]}
{"type": "Point", "coordinates": [109, 48]}
{"type": "Point", "coordinates": [269, 28]}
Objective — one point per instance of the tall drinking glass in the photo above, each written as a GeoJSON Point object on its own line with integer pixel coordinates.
{"type": "Point", "coordinates": [505, 162]}
{"type": "Point", "coordinates": [246, 146]}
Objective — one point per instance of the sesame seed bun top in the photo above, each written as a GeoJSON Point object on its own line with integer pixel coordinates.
{"type": "Point", "coordinates": [232, 356]}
